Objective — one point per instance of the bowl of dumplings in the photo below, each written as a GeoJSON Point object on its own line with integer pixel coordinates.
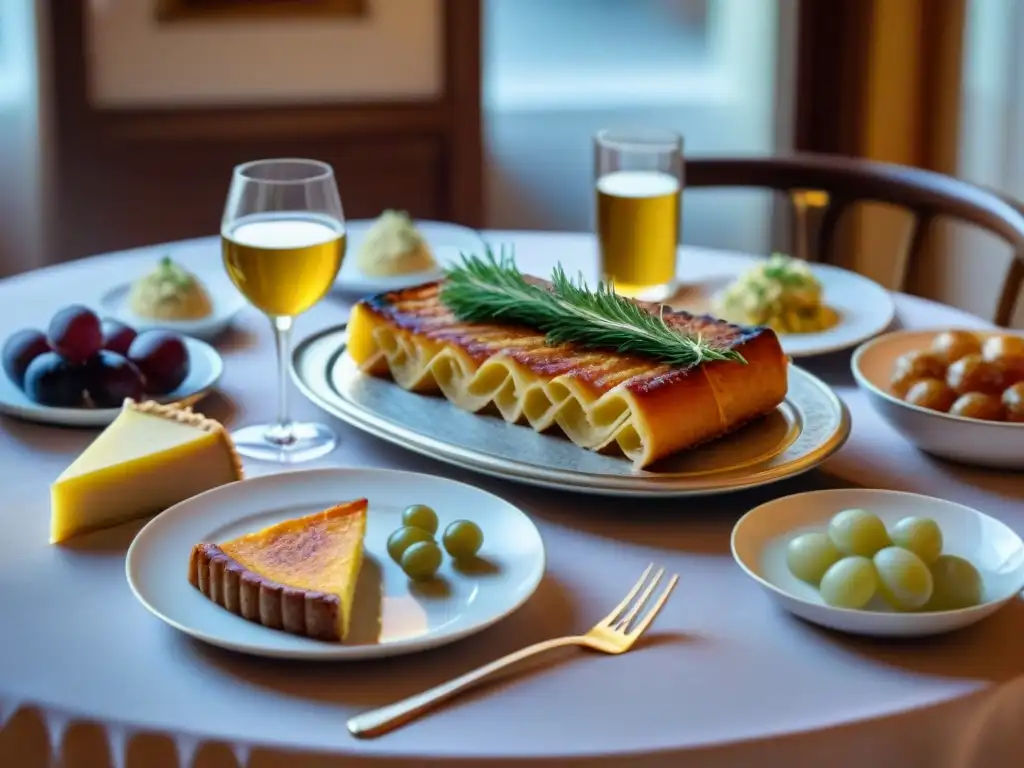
{"type": "Point", "coordinates": [955, 393]}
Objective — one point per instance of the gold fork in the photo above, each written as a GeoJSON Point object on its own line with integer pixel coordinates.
{"type": "Point", "coordinates": [615, 633]}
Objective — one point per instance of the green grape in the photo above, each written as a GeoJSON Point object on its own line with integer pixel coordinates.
{"type": "Point", "coordinates": [849, 583]}
{"type": "Point", "coordinates": [403, 538]}
{"type": "Point", "coordinates": [904, 580]}
{"type": "Point", "coordinates": [420, 516]}
{"type": "Point", "coordinates": [462, 539]}
{"type": "Point", "coordinates": [921, 535]}
{"type": "Point", "coordinates": [858, 532]}
{"type": "Point", "coordinates": [421, 560]}
{"type": "Point", "coordinates": [810, 555]}
{"type": "Point", "coordinates": [957, 584]}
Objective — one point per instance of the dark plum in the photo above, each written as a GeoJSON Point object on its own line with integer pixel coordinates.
{"type": "Point", "coordinates": [75, 333]}
{"type": "Point", "coordinates": [163, 359]}
{"type": "Point", "coordinates": [20, 349]}
{"type": "Point", "coordinates": [51, 380]}
{"type": "Point", "coordinates": [111, 377]}
{"type": "Point", "coordinates": [117, 337]}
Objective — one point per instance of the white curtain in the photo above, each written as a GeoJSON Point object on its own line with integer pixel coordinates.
{"type": "Point", "coordinates": [23, 126]}
{"type": "Point", "coordinates": [991, 146]}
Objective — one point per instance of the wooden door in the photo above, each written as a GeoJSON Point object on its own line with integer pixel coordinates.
{"type": "Point", "coordinates": [125, 176]}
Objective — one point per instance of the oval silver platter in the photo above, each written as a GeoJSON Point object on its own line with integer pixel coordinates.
{"type": "Point", "coordinates": [811, 425]}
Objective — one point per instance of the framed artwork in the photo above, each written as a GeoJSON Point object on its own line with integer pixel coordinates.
{"type": "Point", "coordinates": [271, 10]}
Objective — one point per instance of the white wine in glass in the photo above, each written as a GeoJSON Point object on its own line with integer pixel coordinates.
{"type": "Point", "coordinates": [283, 239]}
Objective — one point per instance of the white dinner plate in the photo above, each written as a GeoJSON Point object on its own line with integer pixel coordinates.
{"type": "Point", "coordinates": [446, 241]}
{"type": "Point", "coordinates": [761, 536]}
{"type": "Point", "coordinates": [205, 370]}
{"type": "Point", "coordinates": [225, 298]}
{"type": "Point", "coordinates": [392, 615]}
{"type": "Point", "coordinates": [864, 307]}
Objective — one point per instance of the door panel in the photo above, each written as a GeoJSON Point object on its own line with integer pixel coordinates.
{"type": "Point", "coordinates": [128, 177]}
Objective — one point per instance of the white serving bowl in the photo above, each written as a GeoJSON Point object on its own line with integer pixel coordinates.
{"type": "Point", "coordinates": [995, 444]}
{"type": "Point", "coordinates": [760, 538]}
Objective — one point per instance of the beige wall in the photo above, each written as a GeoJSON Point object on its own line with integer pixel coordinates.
{"type": "Point", "coordinates": [394, 52]}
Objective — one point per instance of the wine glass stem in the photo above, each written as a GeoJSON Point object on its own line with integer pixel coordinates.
{"type": "Point", "coordinates": [282, 432]}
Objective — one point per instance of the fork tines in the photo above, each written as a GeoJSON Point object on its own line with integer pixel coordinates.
{"type": "Point", "coordinates": [623, 618]}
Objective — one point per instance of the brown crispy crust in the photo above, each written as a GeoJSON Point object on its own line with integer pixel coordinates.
{"type": "Point", "coordinates": [681, 407]}
{"type": "Point", "coordinates": [419, 310]}
{"type": "Point", "coordinates": [235, 588]}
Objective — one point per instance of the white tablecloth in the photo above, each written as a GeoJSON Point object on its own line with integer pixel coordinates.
{"type": "Point", "coordinates": [726, 678]}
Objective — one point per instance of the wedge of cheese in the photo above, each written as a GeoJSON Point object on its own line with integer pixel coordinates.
{"type": "Point", "coordinates": [149, 458]}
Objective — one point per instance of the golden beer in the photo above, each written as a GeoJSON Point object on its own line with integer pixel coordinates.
{"type": "Point", "coordinates": [284, 263]}
{"type": "Point", "coordinates": [638, 231]}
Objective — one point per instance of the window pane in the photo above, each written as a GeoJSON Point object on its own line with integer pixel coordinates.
{"type": "Point", "coordinates": [555, 72]}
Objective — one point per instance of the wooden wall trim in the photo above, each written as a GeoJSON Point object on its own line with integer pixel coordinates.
{"type": "Point", "coordinates": [299, 121]}
{"type": "Point", "coordinates": [833, 48]}
{"type": "Point", "coordinates": [181, 11]}
{"type": "Point", "coordinates": [463, 68]}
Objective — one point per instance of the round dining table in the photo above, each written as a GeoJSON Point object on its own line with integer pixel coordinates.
{"type": "Point", "coordinates": [723, 678]}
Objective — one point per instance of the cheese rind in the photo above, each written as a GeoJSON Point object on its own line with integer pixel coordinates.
{"type": "Point", "coordinates": [149, 458]}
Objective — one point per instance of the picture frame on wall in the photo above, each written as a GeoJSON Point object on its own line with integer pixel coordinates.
{"type": "Point", "coordinates": [247, 10]}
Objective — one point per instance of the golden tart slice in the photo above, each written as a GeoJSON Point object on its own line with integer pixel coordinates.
{"type": "Point", "coordinates": [149, 458]}
{"type": "Point", "coordinates": [298, 575]}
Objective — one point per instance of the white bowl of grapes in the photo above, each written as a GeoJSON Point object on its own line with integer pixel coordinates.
{"type": "Point", "coordinates": [880, 563]}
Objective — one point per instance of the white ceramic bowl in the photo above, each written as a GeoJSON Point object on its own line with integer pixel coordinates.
{"type": "Point", "coordinates": [760, 538]}
{"type": "Point", "coordinates": [995, 444]}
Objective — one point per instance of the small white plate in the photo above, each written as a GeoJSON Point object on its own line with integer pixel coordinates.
{"type": "Point", "coordinates": [392, 615]}
{"type": "Point", "coordinates": [760, 538]}
{"type": "Point", "coordinates": [205, 370]}
{"type": "Point", "coordinates": [864, 307]}
{"type": "Point", "coordinates": [995, 444]}
{"type": "Point", "coordinates": [446, 241]}
{"type": "Point", "coordinates": [226, 300]}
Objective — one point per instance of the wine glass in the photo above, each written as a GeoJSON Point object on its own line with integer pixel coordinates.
{"type": "Point", "coordinates": [283, 240]}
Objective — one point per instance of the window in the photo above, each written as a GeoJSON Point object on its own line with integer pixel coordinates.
{"type": "Point", "coordinates": [556, 72]}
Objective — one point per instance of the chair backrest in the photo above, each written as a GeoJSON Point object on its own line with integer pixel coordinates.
{"type": "Point", "coordinates": [925, 194]}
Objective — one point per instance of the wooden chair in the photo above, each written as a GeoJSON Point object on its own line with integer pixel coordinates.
{"type": "Point", "coordinates": [924, 194]}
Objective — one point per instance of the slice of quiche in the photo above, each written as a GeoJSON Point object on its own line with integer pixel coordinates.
{"type": "Point", "coordinates": [298, 575]}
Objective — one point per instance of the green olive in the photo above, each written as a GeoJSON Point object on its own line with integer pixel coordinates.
{"type": "Point", "coordinates": [421, 560]}
{"type": "Point", "coordinates": [403, 538]}
{"type": "Point", "coordinates": [462, 539]}
{"type": "Point", "coordinates": [420, 516]}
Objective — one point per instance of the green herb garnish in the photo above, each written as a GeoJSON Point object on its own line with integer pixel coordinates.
{"type": "Point", "coordinates": [781, 269]}
{"type": "Point", "coordinates": [489, 289]}
{"type": "Point", "coordinates": [169, 271]}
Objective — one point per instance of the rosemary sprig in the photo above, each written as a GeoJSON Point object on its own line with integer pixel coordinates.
{"type": "Point", "coordinates": [492, 289]}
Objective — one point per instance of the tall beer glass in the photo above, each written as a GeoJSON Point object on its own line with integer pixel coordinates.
{"type": "Point", "coordinates": [638, 175]}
